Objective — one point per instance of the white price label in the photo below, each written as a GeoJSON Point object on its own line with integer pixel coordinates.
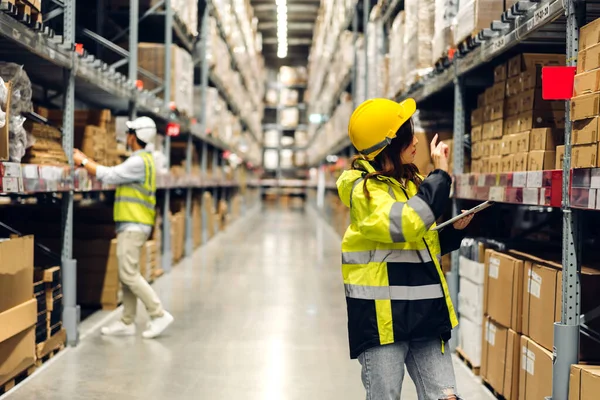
{"type": "Point", "coordinates": [497, 193]}
{"type": "Point", "coordinates": [494, 268]}
{"type": "Point", "coordinates": [481, 180]}
{"type": "Point", "coordinates": [535, 179]}
{"type": "Point", "coordinates": [540, 15]}
{"type": "Point", "coordinates": [534, 284]}
{"type": "Point", "coordinates": [531, 196]}
{"type": "Point", "coordinates": [520, 179]}
{"type": "Point", "coordinates": [498, 43]}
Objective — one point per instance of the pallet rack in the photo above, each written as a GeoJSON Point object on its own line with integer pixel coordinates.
{"type": "Point", "coordinates": [538, 23]}
{"type": "Point", "coordinates": [62, 63]}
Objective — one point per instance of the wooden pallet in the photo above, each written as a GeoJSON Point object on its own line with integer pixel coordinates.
{"type": "Point", "coordinates": [26, 11]}
{"type": "Point", "coordinates": [20, 377]}
{"type": "Point", "coordinates": [460, 353]}
{"type": "Point", "coordinates": [52, 345]}
{"type": "Point", "coordinates": [492, 390]}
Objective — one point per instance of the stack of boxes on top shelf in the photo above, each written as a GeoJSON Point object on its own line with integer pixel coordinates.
{"type": "Point", "coordinates": [521, 299]}
{"type": "Point", "coordinates": [95, 133]}
{"type": "Point", "coordinates": [585, 108]}
{"type": "Point", "coordinates": [49, 333]}
{"type": "Point", "coordinates": [476, 15]}
{"type": "Point", "coordinates": [514, 129]}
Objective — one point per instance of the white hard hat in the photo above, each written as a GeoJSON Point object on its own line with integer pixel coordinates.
{"type": "Point", "coordinates": [144, 128]}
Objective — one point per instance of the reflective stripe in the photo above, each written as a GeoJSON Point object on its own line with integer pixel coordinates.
{"type": "Point", "coordinates": [140, 188]}
{"type": "Point", "coordinates": [423, 209]}
{"type": "Point", "coordinates": [354, 187]}
{"type": "Point", "coordinates": [396, 222]}
{"type": "Point", "coordinates": [378, 256]}
{"type": "Point", "coordinates": [127, 199]}
{"type": "Point", "coordinates": [424, 292]}
{"type": "Point", "coordinates": [391, 192]}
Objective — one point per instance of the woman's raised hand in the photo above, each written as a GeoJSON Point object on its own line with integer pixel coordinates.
{"type": "Point", "coordinates": [439, 154]}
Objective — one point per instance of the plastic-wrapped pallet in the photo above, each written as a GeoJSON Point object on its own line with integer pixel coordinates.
{"type": "Point", "coordinates": [443, 36]}
{"type": "Point", "coordinates": [418, 37]}
{"type": "Point", "coordinates": [375, 58]}
{"type": "Point", "coordinates": [396, 62]}
{"type": "Point", "coordinates": [475, 15]}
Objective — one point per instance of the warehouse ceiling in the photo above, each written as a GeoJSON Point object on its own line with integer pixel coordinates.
{"type": "Point", "coordinates": [301, 17]}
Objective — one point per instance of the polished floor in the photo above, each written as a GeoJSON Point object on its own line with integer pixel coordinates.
{"type": "Point", "coordinates": [259, 314]}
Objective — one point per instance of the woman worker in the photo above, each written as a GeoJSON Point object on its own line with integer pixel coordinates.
{"type": "Point", "coordinates": [399, 307]}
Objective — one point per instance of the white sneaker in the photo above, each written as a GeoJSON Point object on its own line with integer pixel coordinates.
{"type": "Point", "coordinates": [118, 328]}
{"type": "Point", "coordinates": [156, 326]}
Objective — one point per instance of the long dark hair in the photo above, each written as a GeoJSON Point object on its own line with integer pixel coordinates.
{"type": "Point", "coordinates": [389, 163]}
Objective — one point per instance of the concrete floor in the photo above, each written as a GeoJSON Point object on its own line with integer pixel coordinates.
{"type": "Point", "coordinates": [259, 314]}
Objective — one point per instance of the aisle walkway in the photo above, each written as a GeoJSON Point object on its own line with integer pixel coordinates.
{"type": "Point", "coordinates": [259, 314]}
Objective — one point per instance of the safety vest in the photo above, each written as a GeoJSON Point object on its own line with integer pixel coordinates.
{"type": "Point", "coordinates": [136, 202]}
{"type": "Point", "coordinates": [395, 287]}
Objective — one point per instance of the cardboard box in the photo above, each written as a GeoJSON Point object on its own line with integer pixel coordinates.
{"type": "Point", "coordinates": [476, 150]}
{"type": "Point", "coordinates": [497, 110]}
{"type": "Point", "coordinates": [529, 120]}
{"type": "Point", "coordinates": [530, 61]}
{"type": "Point", "coordinates": [469, 339]}
{"type": "Point", "coordinates": [535, 372]}
{"type": "Point", "coordinates": [477, 116]}
{"type": "Point", "coordinates": [506, 145]}
{"type": "Point", "coordinates": [584, 382]}
{"type": "Point", "coordinates": [489, 96]}
{"type": "Point", "coordinates": [17, 339]}
{"type": "Point", "coordinates": [495, 147]}
{"type": "Point", "coordinates": [500, 358]}
{"type": "Point", "coordinates": [16, 272]}
{"type": "Point", "coordinates": [504, 289]}
{"type": "Point", "coordinates": [499, 91]}
{"type": "Point", "coordinates": [541, 160]}
{"type": "Point", "coordinates": [560, 155]}
{"type": "Point", "coordinates": [589, 35]}
{"type": "Point", "coordinates": [542, 139]}
{"type": "Point", "coordinates": [585, 131]}
{"type": "Point", "coordinates": [493, 130]}
{"type": "Point", "coordinates": [495, 164]}
{"type": "Point", "coordinates": [513, 86]}
{"type": "Point", "coordinates": [512, 106]}
{"type": "Point", "coordinates": [529, 80]}
{"type": "Point", "coordinates": [585, 106]}
{"type": "Point", "coordinates": [588, 59]}
{"type": "Point", "coordinates": [520, 142]}
{"type": "Point", "coordinates": [476, 133]}
{"type": "Point", "coordinates": [500, 73]}
{"type": "Point", "coordinates": [584, 155]}
{"type": "Point", "coordinates": [485, 165]}
{"type": "Point", "coordinates": [586, 83]}
{"type": "Point", "coordinates": [531, 99]}
{"type": "Point", "coordinates": [520, 163]}
{"type": "Point", "coordinates": [508, 163]}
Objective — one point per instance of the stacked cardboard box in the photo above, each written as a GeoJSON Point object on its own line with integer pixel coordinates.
{"type": "Point", "coordinates": [470, 300]}
{"type": "Point", "coordinates": [418, 36]}
{"type": "Point", "coordinates": [47, 145]}
{"type": "Point", "coordinates": [18, 307]}
{"type": "Point", "coordinates": [396, 61]}
{"type": "Point", "coordinates": [584, 382]}
{"type": "Point", "coordinates": [522, 300]}
{"type": "Point", "coordinates": [97, 273]}
{"type": "Point", "coordinates": [475, 15]}
{"type": "Point", "coordinates": [513, 128]}
{"type": "Point", "coordinates": [222, 214]}
{"type": "Point", "coordinates": [177, 235]}
{"type": "Point", "coordinates": [152, 58]}
{"type": "Point", "coordinates": [149, 260]}
{"type": "Point", "coordinates": [584, 104]}
{"type": "Point", "coordinates": [95, 134]}
{"type": "Point", "coordinates": [197, 222]}
{"type": "Point", "coordinates": [443, 36]}
{"type": "Point", "coordinates": [50, 303]}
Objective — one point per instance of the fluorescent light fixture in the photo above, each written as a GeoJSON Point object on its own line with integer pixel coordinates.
{"type": "Point", "coordinates": [282, 44]}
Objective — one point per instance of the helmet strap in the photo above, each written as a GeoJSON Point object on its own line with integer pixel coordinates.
{"type": "Point", "coordinates": [385, 142]}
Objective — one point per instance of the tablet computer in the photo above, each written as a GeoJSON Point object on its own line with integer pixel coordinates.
{"type": "Point", "coordinates": [473, 210]}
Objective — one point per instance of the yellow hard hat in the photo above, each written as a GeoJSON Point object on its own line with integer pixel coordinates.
{"type": "Point", "coordinates": [375, 122]}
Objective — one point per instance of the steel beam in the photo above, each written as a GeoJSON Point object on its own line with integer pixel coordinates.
{"type": "Point", "coordinates": [458, 163]}
{"type": "Point", "coordinates": [71, 311]}
{"type": "Point", "coordinates": [566, 332]}
{"type": "Point", "coordinates": [167, 251]}
{"type": "Point", "coordinates": [133, 53]}
{"type": "Point", "coordinates": [366, 8]}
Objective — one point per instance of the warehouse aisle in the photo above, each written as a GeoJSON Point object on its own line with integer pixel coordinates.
{"type": "Point", "coordinates": [259, 314]}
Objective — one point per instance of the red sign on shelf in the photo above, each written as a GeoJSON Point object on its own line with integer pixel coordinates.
{"type": "Point", "coordinates": [173, 129]}
{"type": "Point", "coordinates": [557, 83]}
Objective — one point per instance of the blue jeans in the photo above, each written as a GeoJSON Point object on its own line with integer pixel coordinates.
{"type": "Point", "coordinates": [430, 369]}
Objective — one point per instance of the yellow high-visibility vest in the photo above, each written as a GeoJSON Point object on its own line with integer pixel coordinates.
{"type": "Point", "coordinates": [136, 202]}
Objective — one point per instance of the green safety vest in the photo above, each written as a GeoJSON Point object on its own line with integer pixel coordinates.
{"type": "Point", "coordinates": [136, 202]}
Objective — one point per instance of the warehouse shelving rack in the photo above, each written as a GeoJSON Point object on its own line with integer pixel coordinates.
{"type": "Point", "coordinates": [534, 23]}
{"type": "Point", "coordinates": [68, 71]}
